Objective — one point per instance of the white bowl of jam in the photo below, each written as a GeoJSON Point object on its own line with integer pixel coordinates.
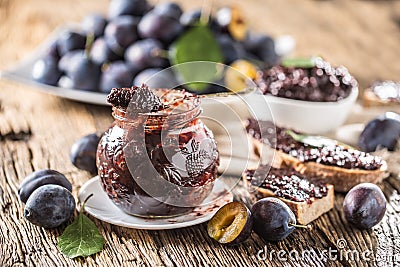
{"type": "Point", "coordinates": [313, 100]}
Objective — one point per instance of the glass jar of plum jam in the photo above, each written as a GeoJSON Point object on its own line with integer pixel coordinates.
{"type": "Point", "coordinates": [160, 161]}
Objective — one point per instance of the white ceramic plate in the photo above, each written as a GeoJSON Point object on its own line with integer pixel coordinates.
{"type": "Point", "coordinates": [102, 208]}
{"type": "Point", "coordinates": [21, 71]}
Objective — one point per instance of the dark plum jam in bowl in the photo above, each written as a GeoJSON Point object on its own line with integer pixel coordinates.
{"type": "Point", "coordinates": [157, 159]}
{"type": "Point", "coordinates": [313, 100]}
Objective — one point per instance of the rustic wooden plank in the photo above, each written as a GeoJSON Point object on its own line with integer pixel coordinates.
{"type": "Point", "coordinates": [17, 163]}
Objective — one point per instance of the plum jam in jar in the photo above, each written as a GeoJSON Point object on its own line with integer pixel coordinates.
{"type": "Point", "coordinates": [157, 159]}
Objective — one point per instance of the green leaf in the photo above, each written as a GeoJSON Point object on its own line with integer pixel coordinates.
{"type": "Point", "coordinates": [81, 238]}
{"type": "Point", "coordinates": [312, 140]}
{"type": "Point", "coordinates": [299, 62]}
{"type": "Point", "coordinates": [197, 44]}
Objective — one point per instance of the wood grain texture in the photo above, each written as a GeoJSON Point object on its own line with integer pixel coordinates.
{"type": "Point", "coordinates": [37, 130]}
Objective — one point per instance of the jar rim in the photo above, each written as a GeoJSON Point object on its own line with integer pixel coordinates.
{"type": "Point", "coordinates": [193, 108]}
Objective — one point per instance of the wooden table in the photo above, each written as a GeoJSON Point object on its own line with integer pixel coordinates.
{"type": "Point", "coordinates": [37, 130]}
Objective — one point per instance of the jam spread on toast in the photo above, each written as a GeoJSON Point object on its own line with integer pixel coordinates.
{"type": "Point", "coordinates": [287, 183]}
{"type": "Point", "coordinates": [332, 155]}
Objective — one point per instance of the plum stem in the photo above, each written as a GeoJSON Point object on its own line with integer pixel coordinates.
{"type": "Point", "coordinates": [206, 11]}
{"type": "Point", "coordinates": [84, 202]}
{"type": "Point", "coordinates": [308, 227]}
{"type": "Point", "coordinates": [89, 43]}
{"type": "Point", "coordinates": [156, 52]}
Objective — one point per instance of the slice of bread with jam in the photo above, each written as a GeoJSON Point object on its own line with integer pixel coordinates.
{"type": "Point", "coordinates": [336, 164]}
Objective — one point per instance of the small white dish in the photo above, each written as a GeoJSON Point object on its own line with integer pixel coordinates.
{"type": "Point", "coordinates": [304, 116]}
{"type": "Point", "coordinates": [102, 208]}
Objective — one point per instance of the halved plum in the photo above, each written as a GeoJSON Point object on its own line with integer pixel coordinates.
{"type": "Point", "coordinates": [231, 224]}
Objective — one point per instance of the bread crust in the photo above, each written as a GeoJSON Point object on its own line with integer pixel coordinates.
{"type": "Point", "coordinates": [343, 179]}
{"type": "Point", "coordinates": [370, 99]}
{"type": "Point", "coordinates": [305, 211]}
